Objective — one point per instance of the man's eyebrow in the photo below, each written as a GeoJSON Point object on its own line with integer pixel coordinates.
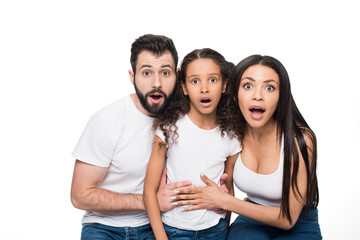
{"type": "Point", "coordinates": [162, 66]}
{"type": "Point", "coordinates": [145, 66]}
{"type": "Point", "coordinates": [166, 66]}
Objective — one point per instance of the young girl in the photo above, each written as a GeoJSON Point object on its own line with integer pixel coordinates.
{"type": "Point", "coordinates": [277, 165]}
{"type": "Point", "coordinates": [192, 134]}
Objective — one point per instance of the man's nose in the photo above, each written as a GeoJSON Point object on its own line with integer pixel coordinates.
{"type": "Point", "coordinates": [156, 82]}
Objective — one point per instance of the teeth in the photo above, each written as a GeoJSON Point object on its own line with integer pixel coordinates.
{"type": "Point", "coordinates": [257, 109]}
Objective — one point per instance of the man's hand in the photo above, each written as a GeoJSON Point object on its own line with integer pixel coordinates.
{"type": "Point", "coordinates": [223, 187]}
{"type": "Point", "coordinates": [167, 192]}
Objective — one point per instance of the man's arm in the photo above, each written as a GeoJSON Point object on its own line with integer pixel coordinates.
{"type": "Point", "coordinates": [87, 196]}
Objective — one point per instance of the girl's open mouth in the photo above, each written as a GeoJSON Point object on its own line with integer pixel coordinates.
{"type": "Point", "coordinates": [205, 100]}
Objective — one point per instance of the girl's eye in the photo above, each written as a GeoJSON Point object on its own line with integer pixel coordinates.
{"type": "Point", "coordinates": [269, 88]}
{"type": "Point", "coordinates": [247, 86]}
{"type": "Point", "coordinates": [212, 80]}
{"type": "Point", "coordinates": [165, 73]}
{"type": "Point", "coordinates": [194, 81]}
{"type": "Point", "coordinates": [146, 73]}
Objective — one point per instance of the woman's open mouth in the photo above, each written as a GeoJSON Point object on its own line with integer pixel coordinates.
{"type": "Point", "coordinates": [256, 112]}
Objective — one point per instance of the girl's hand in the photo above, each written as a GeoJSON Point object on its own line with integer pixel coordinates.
{"type": "Point", "coordinates": [209, 197]}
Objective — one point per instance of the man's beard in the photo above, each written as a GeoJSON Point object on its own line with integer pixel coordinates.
{"type": "Point", "coordinates": [150, 107]}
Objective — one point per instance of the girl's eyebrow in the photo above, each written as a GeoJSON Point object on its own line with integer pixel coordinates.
{"type": "Point", "coordinates": [211, 74]}
{"type": "Point", "coordinates": [217, 74]}
{"type": "Point", "coordinates": [194, 75]}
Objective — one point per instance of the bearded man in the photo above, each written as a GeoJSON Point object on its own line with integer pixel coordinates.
{"type": "Point", "coordinates": [114, 149]}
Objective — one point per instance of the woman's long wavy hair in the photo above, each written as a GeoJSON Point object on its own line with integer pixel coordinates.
{"type": "Point", "coordinates": [180, 104]}
{"type": "Point", "coordinates": [291, 123]}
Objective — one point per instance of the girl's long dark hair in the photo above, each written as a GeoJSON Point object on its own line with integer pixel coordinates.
{"type": "Point", "coordinates": [291, 123]}
{"type": "Point", "coordinates": [180, 104]}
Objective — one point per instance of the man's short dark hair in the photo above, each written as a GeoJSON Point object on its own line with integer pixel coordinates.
{"type": "Point", "coordinates": [157, 44]}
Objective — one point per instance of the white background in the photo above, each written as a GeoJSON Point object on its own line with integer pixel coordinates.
{"type": "Point", "coordinates": [60, 61]}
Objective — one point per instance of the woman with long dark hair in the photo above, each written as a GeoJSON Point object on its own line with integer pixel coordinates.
{"type": "Point", "coordinates": [277, 165]}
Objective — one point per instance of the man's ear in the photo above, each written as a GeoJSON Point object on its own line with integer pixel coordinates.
{"type": "Point", "coordinates": [184, 88]}
{"type": "Point", "coordinates": [131, 75]}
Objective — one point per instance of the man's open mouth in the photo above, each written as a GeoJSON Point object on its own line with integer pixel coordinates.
{"type": "Point", "coordinates": [156, 97]}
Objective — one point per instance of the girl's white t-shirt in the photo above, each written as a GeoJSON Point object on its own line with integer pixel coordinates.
{"type": "Point", "coordinates": [196, 151]}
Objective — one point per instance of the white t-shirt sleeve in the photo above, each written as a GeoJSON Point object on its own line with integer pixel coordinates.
{"type": "Point", "coordinates": [235, 146]}
{"type": "Point", "coordinates": [95, 145]}
{"type": "Point", "coordinates": [160, 134]}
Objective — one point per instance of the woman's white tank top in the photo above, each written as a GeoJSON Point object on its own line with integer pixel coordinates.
{"type": "Point", "coordinates": [262, 189]}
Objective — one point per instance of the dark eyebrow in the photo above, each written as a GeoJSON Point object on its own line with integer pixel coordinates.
{"type": "Point", "coordinates": [195, 75]}
{"type": "Point", "coordinates": [145, 66]}
{"type": "Point", "coordinates": [248, 78]}
{"type": "Point", "coordinates": [271, 80]}
{"type": "Point", "coordinates": [149, 66]}
{"type": "Point", "coordinates": [211, 74]}
{"type": "Point", "coordinates": [253, 80]}
{"type": "Point", "coordinates": [166, 66]}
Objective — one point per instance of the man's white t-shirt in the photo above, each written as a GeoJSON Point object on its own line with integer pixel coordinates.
{"type": "Point", "coordinates": [196, 151]}
{"type": "Point", "coordinates": [119, 137]}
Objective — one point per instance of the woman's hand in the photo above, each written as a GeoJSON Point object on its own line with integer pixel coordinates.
{"type": "Point", "coordinates": [209, 197]}
{"type": "Point", "coordinates": [166, 194]}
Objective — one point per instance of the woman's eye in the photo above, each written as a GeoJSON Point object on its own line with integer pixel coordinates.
{"type": "Point", "coordinates": [165, 73]}
{"type": "Point", "coordinates": [247, 86]}
{"type": "Point", "coordinates": [146, 73]}
{"type": "Point", "coordinates": [269, 88]}
{"type": "Point", "coordinates": [212, 80]}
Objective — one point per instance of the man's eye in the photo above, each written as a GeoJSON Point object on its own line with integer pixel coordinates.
{"type": "Point", "coordinates": [146, 73]}
{"type": "Point", "coordinates": [212, 80]}
{"type": "Point", "coordinates": [165, 73]}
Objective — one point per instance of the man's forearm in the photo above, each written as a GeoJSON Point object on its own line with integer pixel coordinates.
{"type": "Point", "coordinates": [105, 201]}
